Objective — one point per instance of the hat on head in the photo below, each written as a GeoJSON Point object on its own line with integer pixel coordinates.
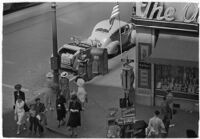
{"type": "Point", "coordinates": [80, 82]}
{"type": "Point", "coordinates": [64, 74]}
{"type": "Point", "coordinates": [49, 75]}
{"type": "Point", "coordinates": [37, 99]}
{"type": "Point", "coordinates": [18, 86]}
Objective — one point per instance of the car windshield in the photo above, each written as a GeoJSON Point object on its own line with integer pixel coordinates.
{"type": "Point", "coordinates": [102, 30]}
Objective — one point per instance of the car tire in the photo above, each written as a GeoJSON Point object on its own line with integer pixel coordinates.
{"type": "Point", "coordinates": [118, 51]}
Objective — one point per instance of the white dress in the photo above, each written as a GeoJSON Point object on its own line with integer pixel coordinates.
{"type": "Point", "coordinates": [20, 112]}
{"type": "Point", "coordinates": [81, 94]}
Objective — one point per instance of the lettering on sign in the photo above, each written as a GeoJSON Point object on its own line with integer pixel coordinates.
{"type": "Point", "coordinates": [152, 10]}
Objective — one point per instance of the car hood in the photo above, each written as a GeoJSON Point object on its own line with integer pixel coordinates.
{"type": "Point", "coordinates": [102, 37]}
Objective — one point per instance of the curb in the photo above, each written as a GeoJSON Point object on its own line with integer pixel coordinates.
{"type": "Point", "coordinates": [57, 131]}
{"type": "Point", "coordinates": [30, 12]}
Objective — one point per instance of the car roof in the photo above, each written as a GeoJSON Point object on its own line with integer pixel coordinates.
{"type": "Point", "coordinates": [106, 25]}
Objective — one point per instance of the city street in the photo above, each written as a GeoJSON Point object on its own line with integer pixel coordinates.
{"type": "Point", "coordinates": [27, 47]}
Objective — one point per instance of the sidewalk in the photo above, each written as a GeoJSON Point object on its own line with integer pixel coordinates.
{"type": "Point", "coordinates": [103, 93]}
{"type": "Point", "coordinates": [101, 98]}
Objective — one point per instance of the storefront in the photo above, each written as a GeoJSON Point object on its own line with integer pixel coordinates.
{"type": "Point", "coordinates": [167, 53]}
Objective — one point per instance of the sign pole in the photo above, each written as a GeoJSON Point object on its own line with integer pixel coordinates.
{"type": "Point", "coordinates": [55, 58]}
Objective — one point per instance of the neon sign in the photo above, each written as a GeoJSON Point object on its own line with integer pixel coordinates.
{"type": "Point", "coordinates": [156, 11]}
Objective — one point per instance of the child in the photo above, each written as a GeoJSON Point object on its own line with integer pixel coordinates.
{"type": "Point", "coordinates": [32, 119]}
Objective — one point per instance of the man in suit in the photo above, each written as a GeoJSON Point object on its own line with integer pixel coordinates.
{"type": "Point", "coordinates": [40, 115]}
{"type": "Point", "coordinates": [18, 93]}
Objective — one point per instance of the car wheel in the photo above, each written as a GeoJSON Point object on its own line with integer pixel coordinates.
{"type": "Point", "coordinates": [118, 51]}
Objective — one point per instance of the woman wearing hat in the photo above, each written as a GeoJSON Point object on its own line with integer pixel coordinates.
{"type": "Point", "coordinates": [64, 86]}
{"type": "Point", "coordinates": [75, 115]}
{"type": "Point", "coordinates": [81, 93]}
{"type": "Point", "coordinates": [18, 93]}
{"type": "Point", "coordinates": [20, 114]}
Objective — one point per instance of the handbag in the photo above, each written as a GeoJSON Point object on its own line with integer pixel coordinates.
{"type": "Point", "coordinates": [26, 108]}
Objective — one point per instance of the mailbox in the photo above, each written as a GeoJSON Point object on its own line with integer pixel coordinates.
{"type": "Point", "coordinates": [100, 61]}
{"type": "Point", "coordinates": [85, 67]}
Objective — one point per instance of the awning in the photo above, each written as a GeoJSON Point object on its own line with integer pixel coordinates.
{"type": "Point", "coordinates": [175, 50]}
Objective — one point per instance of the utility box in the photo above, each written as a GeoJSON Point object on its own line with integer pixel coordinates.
{"type": "Point", "coordinates": [85, 66]}
{"type": "Point", "coordinates": [100, 61]}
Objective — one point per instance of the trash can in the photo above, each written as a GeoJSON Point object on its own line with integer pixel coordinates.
{"type": "Point", "coordinates": [100, 61]}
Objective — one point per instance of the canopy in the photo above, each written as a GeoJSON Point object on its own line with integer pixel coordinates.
{"type": "Point", "coordinates": [175, 50]}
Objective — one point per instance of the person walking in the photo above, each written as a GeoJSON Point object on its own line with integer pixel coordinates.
{"type": "Point", "coordinates": [32, 119]}
{"type": "Point", "coordinates": [166, 112]}
{"type": "Point", "coordinates": [18, 93]}
{"type": "Point", "coordinates": [40, 115]}
{"type": "Point", "coordinates": [19, 114]}
{"type": "Point", "coordinates": [75, 116]}
{"type": "Point", "coordinates": [49, 91]}
{"type": "Point", "coordinates": [64, 85]}
{"type": "Point", "coordinates": [81, 93]}
{"type": "Point", "coordinates": [170, 101]}
{"type": "Point", "coordinates": [155, 127]}
{"type": "Point", "coordinates": [61, 109]}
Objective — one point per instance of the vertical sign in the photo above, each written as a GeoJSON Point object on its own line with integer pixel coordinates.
{"type": "Point", "coordinates": [144, 75]}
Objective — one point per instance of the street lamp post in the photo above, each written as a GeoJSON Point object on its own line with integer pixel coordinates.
{"type": "Point", "coordinates": [55, 58]}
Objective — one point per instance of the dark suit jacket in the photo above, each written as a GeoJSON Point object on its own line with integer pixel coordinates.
{"type": "Point", "coordinates": [17, 94]}
{"type": "Point", "coordinates": [39, 108]}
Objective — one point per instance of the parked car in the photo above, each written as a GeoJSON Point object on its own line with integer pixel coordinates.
{"type": "Point", "coordinates": [105, 37]}
{"type": "Point", "coordinates": [69, 54]}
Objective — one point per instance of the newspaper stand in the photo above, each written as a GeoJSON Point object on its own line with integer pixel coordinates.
{"type": "Point", "coordinates": [113, 129]}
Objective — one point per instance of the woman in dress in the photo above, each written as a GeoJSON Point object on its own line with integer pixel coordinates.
{"type": "Point", "coordinates": [75, 115]}
{"type": "Point", "coordinates": [20, 114]}
{"type": "Point", "coordinates": [81, 93]}
{"type": "Point", "coordinates": [61, 110]}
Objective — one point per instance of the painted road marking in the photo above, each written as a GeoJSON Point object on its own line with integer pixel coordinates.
{"type": "Point", "coordinates": [12, 86]}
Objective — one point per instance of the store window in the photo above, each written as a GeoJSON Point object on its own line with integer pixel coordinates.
{"type": "Point", "coordinates": [177, 78]}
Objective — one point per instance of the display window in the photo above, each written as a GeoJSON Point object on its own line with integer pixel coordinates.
{"type": "Point", "coordinates": [177, 78]}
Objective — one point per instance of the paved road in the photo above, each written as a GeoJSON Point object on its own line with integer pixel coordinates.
{"type": "Point", "coordinates": [27, 44]}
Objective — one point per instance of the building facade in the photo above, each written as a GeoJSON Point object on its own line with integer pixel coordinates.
{"type": "Point", "coordinates": [167, 53]}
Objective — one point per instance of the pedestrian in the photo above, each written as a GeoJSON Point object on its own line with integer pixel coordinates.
{"type": "Point", "coordinates": [61, 109]}
{"type": "Point", "coordinates": [75, 115]}
{"type": "Point", "coordinates": [170, 101]}
{"type": "Point", "coordinates": [166, 112]}
{"type": "Point", "coordinates": [64, 86]}
{"type": "Point", "coordinates": [32, 119]}
{"type": "Point", "coordinates": [40, 115]}
{"type": "Point", "coordinates": [81, 93]}
{"type": "Point", "coordinates": [155, 127]}
{"type": "Point", "coordinates": [19, 114]}
{"type": "Point", "coordinates": [18, 93]}
{"type": "Point", "coordinates": [49, 92]}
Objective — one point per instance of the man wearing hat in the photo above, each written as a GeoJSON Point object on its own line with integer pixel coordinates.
{"type": "Point", "coordinates": [18, 93]}
{"type": "Point", "coordinates": [40, 115]}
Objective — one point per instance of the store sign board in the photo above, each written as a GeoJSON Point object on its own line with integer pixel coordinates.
{"type": "Point", "coordinates": [160, 11]}
{"type": "Point", "coordinates": [144, 75]}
